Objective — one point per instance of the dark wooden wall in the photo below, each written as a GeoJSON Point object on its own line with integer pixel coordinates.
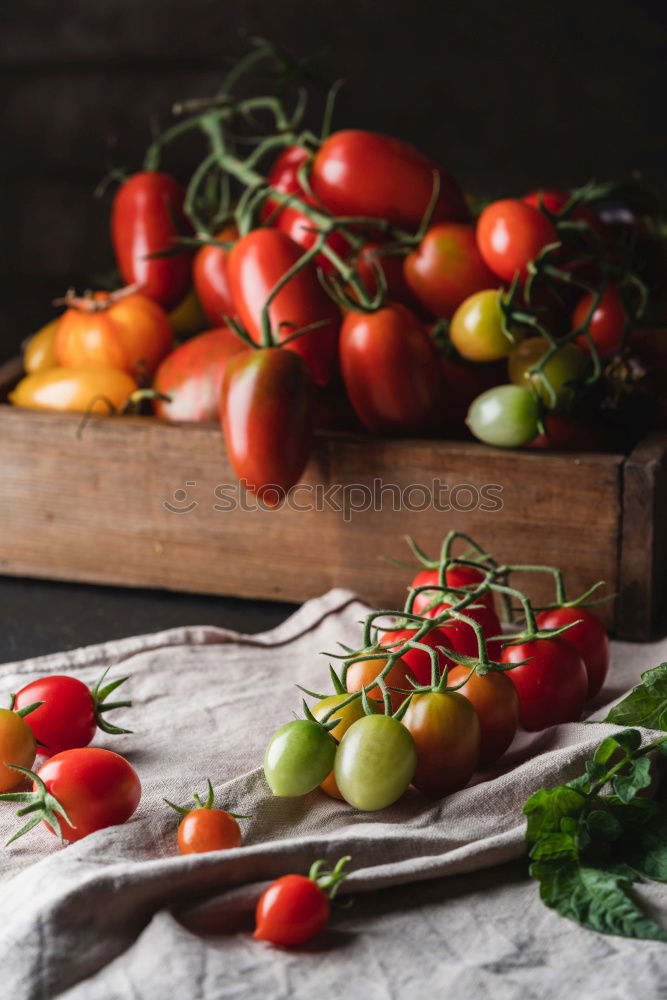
{"type": "Point", "coordinates": [506, 94]}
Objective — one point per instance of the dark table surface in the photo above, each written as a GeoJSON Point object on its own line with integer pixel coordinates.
{"type": "Point", "coordinates": [40, 616]}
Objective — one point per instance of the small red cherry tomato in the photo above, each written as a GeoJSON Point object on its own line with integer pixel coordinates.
{"type": "Point", "coordinates": [295, 908]}
{"type": "Point", "coordinates": [510, 234]}
{"type": "Point", "coordinates": [462, 635]}
{"type": "Point", "coordinates": [552, 685]}
{"type": "Point", "coordinates": [391, 371]}
{"type": "Point", "coordinates": [446, 732]}
{"type": "Point", "coordinates": [418, 661]}
{"type": "Point", "coordinates": [555, 200]}
{"type": "Point", "coordinates": [146, 218]}
{"type": "Point", "coordinates": [267, 412]}
{"type": "Point", "coordinates": [192, 376]}
{"type": "Point", "coordinates": [206, 828]}
{"type": "Point", "coordinates": [447, 268]}
{"type": "Point", "coordinates": [284, 177]}
{"type": "Point", "coordinates": [589, 638]}
{"type": "Point", "coordinates": [211, 280]}
{"type": "Point", "coordinates": [456, 576]}
{"type": "Point", "coordinates": [607, 323]}
{"type": "Point", "coordinates": [494, 698]}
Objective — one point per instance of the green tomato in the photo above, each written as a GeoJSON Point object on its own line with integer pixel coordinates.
{"type": "Point", "coordinates": [476, 329]}
{"type": "Point", "coordinates": [375, 762]}
{"type": "Point", "coordinates": [505, 416]}
{"type": "Point", "coordinates": [299, 756]}
{"type": "Point", "coordinates": [562, 370]}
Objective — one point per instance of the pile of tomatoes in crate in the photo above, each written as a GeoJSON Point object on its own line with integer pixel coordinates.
{"type": "Point", "coordinates": [438, 692]}
{"type": "Point", "coordinates": [349, 284]}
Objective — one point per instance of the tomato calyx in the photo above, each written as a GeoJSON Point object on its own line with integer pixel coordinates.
{"type": "Point", "coordinates": [208, 803]}
{"type": "Point", "coordinates": [26, 710]}
{"type": "Point", "coordinates": [99, 694]}
{"type": "Point", "coordinates": [329, 879]}
{"type": "Point", "coordinates": [41, 805]}
{"type": "Point", "coordinates": [92, 302]}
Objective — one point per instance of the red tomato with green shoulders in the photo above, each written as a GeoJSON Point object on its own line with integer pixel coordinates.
{"type": "Point", "coordinates": [446, 732]}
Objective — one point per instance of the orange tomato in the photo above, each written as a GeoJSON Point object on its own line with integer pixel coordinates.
{"type": "Point", "coordinates": [206, 829]}
{"type": "Point", "coordinates": [364, 672]}
{"type": "Point", "coordinates": [75, 389]}
{"type": "Point", "coordinates": [496, 702]}
{"type": "Point", "coordinates": [17, 746]}
{"type": "Point", "coordinates": [40, 351]}
{"type": "Point", "coordinates": [127, 331]}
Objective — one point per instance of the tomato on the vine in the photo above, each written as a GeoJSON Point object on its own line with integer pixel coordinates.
{"type": "Point", "coordinates": [418, 661]}
{"type": "Point", "coordinates": [78, 390]}
{"type": "Point", "coordinates": [506, 416]}
{"type": "Point", "coordinates": [375, 255]}
{"type": "Point", "coordinates": [375, 762]}
{"type": "Point", "coordinates": [191, 376]}
{"type": "Point", "coordinates": [456, 576]}
{"type": "Point", "coordinates": [211, 278]}
{"type": "Point", "coordinates": [494, 698]}
{"type": "Point", "coordinates": [359, 173]}
{"type": "Point", "coordinates": [298, 758]}
{"type": "Point", "coordinates": [510, 234]}
{"type": "Point", "coordinates": [552, 685]}
{"type": "Point", "coordinates": [284, 178]}
{"type": "Point", "coordinates": [362, 673]}
{"type": "Point", "coordinates": [346, 716]}
{"type": "Point", "coordinates": [445, 728]}
{"type": "Point", "coordinates": [476, 329]}
{"type": "Point", "coordinates": [256, 264]}
{"type": "Point", "coordinates": [608, 321]}
{"type": "Point", "coordinates": [303, 231]}
{"type": "Point", "coordinates": [391, 371]}
{"type": "Point", "coordinates": [267, 415]}
{"type": "Point", "coordinates": [461, 635]}
{"type": "Point", "coordinates": [555, 200]}
{"type": "Point", "coordinates": [447, 267]}
{"type": "Point", "coordinates": [589, 637]}
{"type": "Point", "coordinates": [563, 370]}
{"type": "Point", "coordinates": [147, 218]}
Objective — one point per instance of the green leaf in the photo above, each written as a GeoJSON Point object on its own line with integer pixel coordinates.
{"type": "Point", "coordinates": [547, 808]}
{"type": "Point", "coordinates": [554, 845]}
{"type": "Point", "coordinates": [646, 705]}
{"type": "Point", "coordinates": [602, 825]}
{"type": "Point", "coordinates": [627, 784]}
{"type": "Point", "coordinates": [595, 898]}
{"type": "Point", "coordinates": [647, 851]}
{"type": "Point", "coordinates": [606, 750]}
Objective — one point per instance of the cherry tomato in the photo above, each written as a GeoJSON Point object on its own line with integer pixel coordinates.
{"type": "Point", "coordinates": [292, 910]}
{"type": "Point", "coordinates": [461, 635]}
{"type": "Point", "coordinates": [563, 370]}
{"type": "Point", "coordinates": [347, 715]}
{"type": "Point", "coordinates": [298, 758]}
{"type": "Point", "coordinates": [375, 762]}
{"type": "Point", "coordinates": [192, 376]}
{"type": "Point", "coordinates": [447, 268]}
{"type": "Point", "coordinates": [589, 638]}
{"type": "Point", "coordinates": [476, 329]}
{"type": "Point", "coordinates": [284, 177]}
{"type": "Point", "coordinates": [552, 686]}
{"type": "Point", "coordinates": [363, 673]}
{"type": "Point", "coordinates": [494, 698]}
{"type": "Point", "coordinates": [391, 371]}
{"type": "Point", "coordinates": [607, 324]}
{"type": "Point", "coordinates": [358, 173]}
{"type": "Point", "coordinates": [96, 788]}
{"type": "Point", "coordinates": [146, 218]}
{"type": "Point", "coordinates": [267, 414]}
{"type": "Point", "coordinates": [505, 416]}
{"type": "Point", "coordinates": [76, 389]}
{"type": "Point", "coordinates": [204, 830]}
{"type": "Point", "coordinates": [555, 200]}
{"type": "Point", "coordinates": [369, 258]}
{"type": "Point", "coordinates": [456, 576]}
{"type": "Point", "coordinates": [71, 712]}
{"type": "Point", "coordinates": [568, 432]}
{"type": "Point", "coordinates": [446, 732]}
{"type": "Point", "coordinates": [211, 277]}
{"type": "Point", "coordinates": [256, 264]}
{"type": "Point", "coordinates": [40, 351]}
{"type": "Point", "coordinates": [418, 661]}
{"type": "Point", "coordinates": [301, 230]}
{"type": "Point", "coordinates": [511, 233]}
{"type": "Point", "coordinates": [17, 746]}
{"type": "Point", "coordinates": [107, 331]}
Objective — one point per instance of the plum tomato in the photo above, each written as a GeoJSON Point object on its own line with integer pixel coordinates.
{"type": "Point", "coordinates": [589, 637]}
{"type": "Point", "coordinates": [75, 390]}
{"type": "Point", "coordinates": [375, 762]}
{"type": "Point", "coordinates": [40, 352]}
{"type": "Point", "coordinates": [446, 731]}
{"type": "Point", "coordinates": [510, 234]}
{"type": "Point", "coordinates": [191, 376]}
{"type": "Point", "coordinates": [211, 278]}
{"type": "Point", "coordinates": [552, 685]}
{"type": "Point", "coordinates": [494, 698]}
{"type": "Point", "coordinates": [505, 416]}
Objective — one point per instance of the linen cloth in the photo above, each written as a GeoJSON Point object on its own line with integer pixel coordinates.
{"type": "Point", "coordinates": [121, 914]}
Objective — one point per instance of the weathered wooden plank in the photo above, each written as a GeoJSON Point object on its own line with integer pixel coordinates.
{"type": "Point", "coordinates": [96, 508]}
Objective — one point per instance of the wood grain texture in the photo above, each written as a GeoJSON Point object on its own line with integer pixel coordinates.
{"type": "Point", "coordinates": [94, 508]}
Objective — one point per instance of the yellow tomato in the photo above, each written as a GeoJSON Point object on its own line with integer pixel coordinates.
{"type": "Point", "coordinates": [40, 351]}
{"type": "Point", "coordinates": [476, 328]}
{"type": "Point", "coordinates": [347, 715]}
{"type": "Point", "coordinates": [17, 746]}
{"type": "Point", "coordinates": [188, 317]}
{"type": "Point", "coordinates": [75, 389]}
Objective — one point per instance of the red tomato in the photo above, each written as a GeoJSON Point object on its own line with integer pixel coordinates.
{"type": "Point", "coordinates": [256, 264]}
{"type": "Point", "coordinates": [70, 713]}
{"type": "Point", "coordinates": [357, 173]}
{"type": "Point", "coordinates": [211, 278]}
{"type": "Point", "coordinates": [455, 576]}
{"type": "Point", "coordinates": [568, 432]}
{"type": "Point", "coordinates": [192, 376]}
{"type": "Point", "coordinates": [418, 661]}
{"type": "Point", "coordinates": [496, 702]}
{"type": "Point", "coordinates": [447, 267]}
{"type": "Point", "coordinates": [446, 732]}
{"type": "Point", "coordinates": [462, 636]}
{"type": "Point", "coordinates": [555, 200]}
{"type": "Point", "coordinates": [302, 230]}
{"type": "Point", "coordinates": [510, 234]}
{"type": "Point", "coordinates": [131, 332]}
{"type": "Point", "coordinates": [292, 910]}
{"type": "Point", "coordinates": [204, 830]}
{"type": "Point", "coordinates": [370, 257]}
{"type": "Point", "coordinates": [284, 177]}
{"type": "Point", "coordinates": [589, 638]}
{"type": "Point", "coordinates": [363, 673]}
{"type": "Point", "coordinates": [552, 686]}
{"type": "Point", "coordinates": [607, 323]}
{"type": "Point", "coordinates": [96, 788]}
{"type": "Point", "coordinates": [267, 411]}
{"type": "Point", "coordinates": [146, 218]}
{"type": "Point", "coordinates": [391, 371]}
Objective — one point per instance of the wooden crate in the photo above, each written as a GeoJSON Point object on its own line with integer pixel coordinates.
{"type": "Point", "coordinates": [108, 505]}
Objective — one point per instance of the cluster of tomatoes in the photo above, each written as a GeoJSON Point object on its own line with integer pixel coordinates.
{"type": "Point", "coordinates": [433, 697]}
{"type": "Point", "coordinates": [347, 283]}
